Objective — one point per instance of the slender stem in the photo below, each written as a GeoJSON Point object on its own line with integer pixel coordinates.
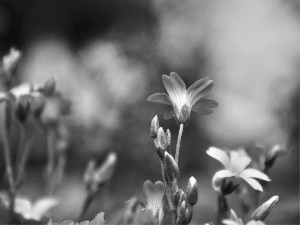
{"type": "Point", "coordinates": [222, 208]}
{"type": "Point", "coordinates": [51, 157]}
{"type": "Point", "coordinates": [8, 163]}
{"type": "Point", "coordinates": [87, 202]}
{"type": "Point", "coordinates": [178, 143]}
{"type": "Point", "coordinates": [23, 160]}
{"type": "Point", "coordinates": [168, 194]}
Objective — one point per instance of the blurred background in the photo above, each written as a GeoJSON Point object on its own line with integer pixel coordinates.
{"type": "Point", "coordinates": [108, 57]}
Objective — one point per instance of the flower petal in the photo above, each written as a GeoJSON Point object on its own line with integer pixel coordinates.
{"type": "Point", "coordinates": [242, 163]}
{"type": "Point", "coordinates": [229, 222]}
{"type": "Point", "coordinates": [199, 90]}
{"type": "Point", "coordinates": [218, 178]}
{"type": "Point", "coordinates": [207, 102]}
{"type": "Point", "coordinates": [23, 207]}
{"type": "Point", "coordinates": [169, 113]}
{"type": "Point", "coordinates": [148, 189]}
{"type": "Point", "coordinates": [170, 87]}
{"type": "Point", "coordinates": [161, 98]}
{"type": "Point", "coordinates": [196, 85]}
{"type": "Point", "coordinates": [219, 155]}
{"type": "Point", "coordinates": [202, 110]}
{"type": "Point", "coordinates": [175, 78]}
{"type": "Point", "coordinates": [254, 183]}
{"type": "Point", "coordinates": [253, 173]}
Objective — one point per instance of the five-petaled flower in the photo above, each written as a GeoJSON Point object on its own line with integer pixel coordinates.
{"type": "Point", "coordinates": [183, 101]}
{"type": "Point", "coordinates": [235, 166]}
{"type": "Point", "coordinates": [155, 194]}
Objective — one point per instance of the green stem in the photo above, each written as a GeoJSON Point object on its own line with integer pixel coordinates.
{"type": "Point", "coordinates": [222, 208]}
{"type": "Point", "coordinates": [51, 157]}
{"type": "Point", "coordinates": [8, 163]}
{"type": "Point", "coordinates": [178, 143]}
{"type": "Point", "coordinates": [86, 205]}
{"type": "Point", "coordinates": [23, 159]}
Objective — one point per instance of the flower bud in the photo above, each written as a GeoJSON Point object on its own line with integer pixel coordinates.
{"type": "Point", "coordinates": [154, 126]}
{"type": "Point", "coordinates": [181, 213]}
{"type": "Point", "coordinates": [272, 155]}
{"type": "Point", "coordinates": [172, 168]}
{"type": "Point", "coordinates": [177, 197]}
{"type": "Point", "coordinates": [49, 87]}
{"type": "Point", "coordinates": [169, 140]}
{"type": "Point", "coordinates": [264, 210]}
{"type": "Point", "coordinates": [160, 143]}
{"type": "Point", "coordinates": [10, 61]}
{"type": "Point", "coordinates": [192, 191]}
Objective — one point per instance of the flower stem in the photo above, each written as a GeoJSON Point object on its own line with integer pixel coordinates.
{"type": "Point", "coordinates": [87, 202]}
{"type": "Point", "coordinates": [222, 208]}
{"type": "Point", "coordinates": [8, 163]}
{"type": "Point", "coordinates": [23, 159]}
{"type": "Point", "coordinates": [178, 143]}
{"type": "Point", "coordinates": [51, 157]}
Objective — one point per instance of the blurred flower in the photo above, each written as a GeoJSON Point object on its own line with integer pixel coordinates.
{"type": "Point", "coordinates": [155, 194]}
{"type": "Point", "coordinates": [19, 99]}
{"type": "Point", "coordinates": [184, 101]}
{"type": "Point", "coordinates": [234, 220]}
{"type": "Point", "coordinates": [29, 210]}
{"type": "Point", "coordinates": [8, 67]}
{"type": "Point", "coordinates": [235, 167]}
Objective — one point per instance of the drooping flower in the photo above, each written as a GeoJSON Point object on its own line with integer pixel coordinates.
{"type": "Point", "coordinates": [183, 101]}
{"type": "Point", "coordinates": [155, 194]}
{"type": "Point", "coordinates": [235, 167]}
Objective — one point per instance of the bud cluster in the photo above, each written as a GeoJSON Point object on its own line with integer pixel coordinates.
{"type": "Point", "coordinates": [184, 202]}
{"type": "Point", "coordinates": [162, 140]}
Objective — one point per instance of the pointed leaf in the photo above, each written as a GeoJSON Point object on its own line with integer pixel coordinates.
{"type": "Point", "coordinates": [219, 155]}
{"type": "Point", "coordinates": [169, 113]}
{"type": "Point", "coordinates": [161, 98]}
{"type": "Point", "coordinates": [218, 178]}
{"type": "Point", "coordinates": [254, 183]}
{"type": "Point", "coordinates": [253, 173]}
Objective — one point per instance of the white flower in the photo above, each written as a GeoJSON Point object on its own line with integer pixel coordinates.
{"type": "Point", "coordinates": [182, 100]}
{"type": "Point", "coordinates": [235, 166]}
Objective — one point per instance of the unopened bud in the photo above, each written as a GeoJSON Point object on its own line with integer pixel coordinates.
{"type": "Point", "coordinates": [172, 168]}
{"type": "Point", "coordinates": [272, 155]}
{"type": "Point", "coordinates": [177, 197]}
{"type": "Point", "coordinates": [264, 210]}
{"type": "Point", "coordinates": [89, 174]}
{"type": "Point", "coordinates": [192, 191]}
{"type": "Point", "coordinates": [160, 143]}
{"type": "Point", "coordinates": [10, 61]}
{"type": "Point", "coordinates": [107, 168]}
{"type": "Point", "coordinates": [181, 213]}
{"type": "Point", "coordinates": [49, 87]}
{"type": "Point", "coordinates": [154, 126]}
{"type": "Point", "coordinates": [169, 140]}
{"type": "Point", "coordinates": [95, 177]}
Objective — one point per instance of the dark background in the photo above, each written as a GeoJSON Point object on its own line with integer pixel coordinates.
{"type": "Point", "coordinates": [108, 57]}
